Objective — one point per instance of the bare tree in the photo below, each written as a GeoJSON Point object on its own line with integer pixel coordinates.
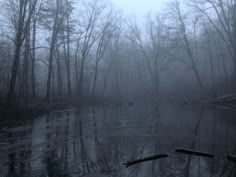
{"type": "Point", "coordinates": [58, 19]}
{"type": "Point", "coordinates": [67, 51]}
{"type": "Point", "coordinates": [113, 54]}
{"type": "Point", "coordinates": [90, 35]}
{"type": "Point", "coordinates": [104, 39]}
{"type": "Point", "coordinates": [209, 49]}
{"type": "Point", "coordinates": [21, 18]}
{"type": "Point", "coordinates": [224, 23]}
{"type": "Point", "coordinates": [33, 51]}
{"type": "Point", "coordinates": [177, 16]}
{"type": "Point", "coordinates": [153, 47]}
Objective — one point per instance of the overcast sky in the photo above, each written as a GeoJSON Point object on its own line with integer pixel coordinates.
{"type": "Point", "coordinates": [140, 7]}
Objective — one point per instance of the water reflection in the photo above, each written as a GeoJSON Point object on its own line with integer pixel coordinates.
{"type": "Point", "coordinates": [95, 141]}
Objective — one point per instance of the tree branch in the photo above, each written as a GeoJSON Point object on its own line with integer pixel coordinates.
{"type": "Point", "coordinates": [155, 157]}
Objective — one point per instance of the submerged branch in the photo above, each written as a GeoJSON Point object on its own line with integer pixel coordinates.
{"type": "Point", "coordinates": [155, 157]}
{"type": "Point", "coordinates": [231, 158]}
{"type": "Point", "coordinates": [192, 152]}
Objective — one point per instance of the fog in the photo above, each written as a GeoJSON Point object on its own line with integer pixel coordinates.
{"type": "Point", "coordinates": [140, 8]}
{"type": "Point", "coordinates": [102, 48]}
{"type": "Point", "coordinates": [119, 59]}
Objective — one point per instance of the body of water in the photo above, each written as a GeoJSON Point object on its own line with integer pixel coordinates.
{"type": "Point", "coordinates": [95, 141]}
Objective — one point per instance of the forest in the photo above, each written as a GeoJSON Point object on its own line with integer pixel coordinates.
{"type": "Point", "coordinates": [87, 89]}
{"type": "Point", "coordinates": [57, 49]}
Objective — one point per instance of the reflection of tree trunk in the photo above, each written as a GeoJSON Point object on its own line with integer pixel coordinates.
{"type": "Point", "coordinates": [82, 148]}
{"type": "Point", "coordinates": [187, 168]}
{"type": "Point", "coordinates": [65, 160]}
{"type": "Point", "coordinates": [75, 148]}
{"type": "Point", "coordinates": [12, 158]}
{"type": "Point", "coordinates": [101, 160]}
{"type": "Point", "coordinates": [50, 167]}
{"type": "Point", "coordinates": [95, 133]}
{"type": "Point", "coordinates": [12, 164]}
{"type": "Point", "coordinates": [157, 144]}
{"type": "Point", "coordinates": [213, 141]}
{"type": "Point", "coordinates": [228, 169]}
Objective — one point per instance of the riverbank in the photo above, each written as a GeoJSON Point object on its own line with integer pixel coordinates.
{"type": "Point", "coordinates": [40, 106]}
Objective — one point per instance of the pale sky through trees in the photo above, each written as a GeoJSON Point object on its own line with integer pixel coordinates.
{"type": "Point", "coordinates": [140, 7]}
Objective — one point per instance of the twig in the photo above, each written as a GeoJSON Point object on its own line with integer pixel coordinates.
{"type": "Point", "coordinates": [231, 158]}
{"type": "Point", "coordinates": [155, 157]}
{"type": "Point", "coordinates": [192, 152]}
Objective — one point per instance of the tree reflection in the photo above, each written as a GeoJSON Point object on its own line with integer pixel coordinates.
{"type": "Point", "coordinates": [95, 141]}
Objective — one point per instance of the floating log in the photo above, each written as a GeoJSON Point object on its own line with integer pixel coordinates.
{"type": "Point", "coordinates": [193, 152]}
{"type": "Point", "coordinates": [231, 158]}
{"type": "Point", "coordinates": [155, 157]}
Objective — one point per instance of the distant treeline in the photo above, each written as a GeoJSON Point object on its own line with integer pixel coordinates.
{"type": "Point", "coordinates": [58, 48]}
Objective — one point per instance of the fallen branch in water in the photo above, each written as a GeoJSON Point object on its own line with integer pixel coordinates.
{"type": "Point", "coordinates": [192, 152]}
{"type": "Point", "coordinates": [231, 158]}
{"type": "Point", "coordinates": [155, 157]}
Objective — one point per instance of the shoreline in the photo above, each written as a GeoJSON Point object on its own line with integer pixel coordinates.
{"type": "Point", "coordinates": [40, 106]}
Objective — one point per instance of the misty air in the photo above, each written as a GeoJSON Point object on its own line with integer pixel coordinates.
{"type": "Point", "coordinates": [117, 88]}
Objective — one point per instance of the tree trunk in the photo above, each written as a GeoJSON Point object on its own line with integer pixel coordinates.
{"type": "Point", "coordinates": [194, 67]}
{"type": "Point", "coordinates": [15, 67]}
{"type": "Point", "coordinates": [26, 64]}
{"type": "Point", "coordinates": [33, 60]}
{"type": "Point", "coordinates": [16, 60]}
{"type": "Point", "coordinates": [76, 74]}
{"type": "Point", "coordinates": [234, 71]}
{"type": "Point", "coordinates": [76, 68]}
{"type": "Point", "coordinates": [49, 80]}
{"type": "Point", "coordinates": [81, 77]}
{"type": "Point", "coordinates": [59, 77]}
{"type": "Point", "coordinates": [95, 79]}
{"type": "Point", "coordinates": [68, 55]}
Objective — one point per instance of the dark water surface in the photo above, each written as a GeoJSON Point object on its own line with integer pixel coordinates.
{"type": "Point", "coordinates": [95, 141]}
